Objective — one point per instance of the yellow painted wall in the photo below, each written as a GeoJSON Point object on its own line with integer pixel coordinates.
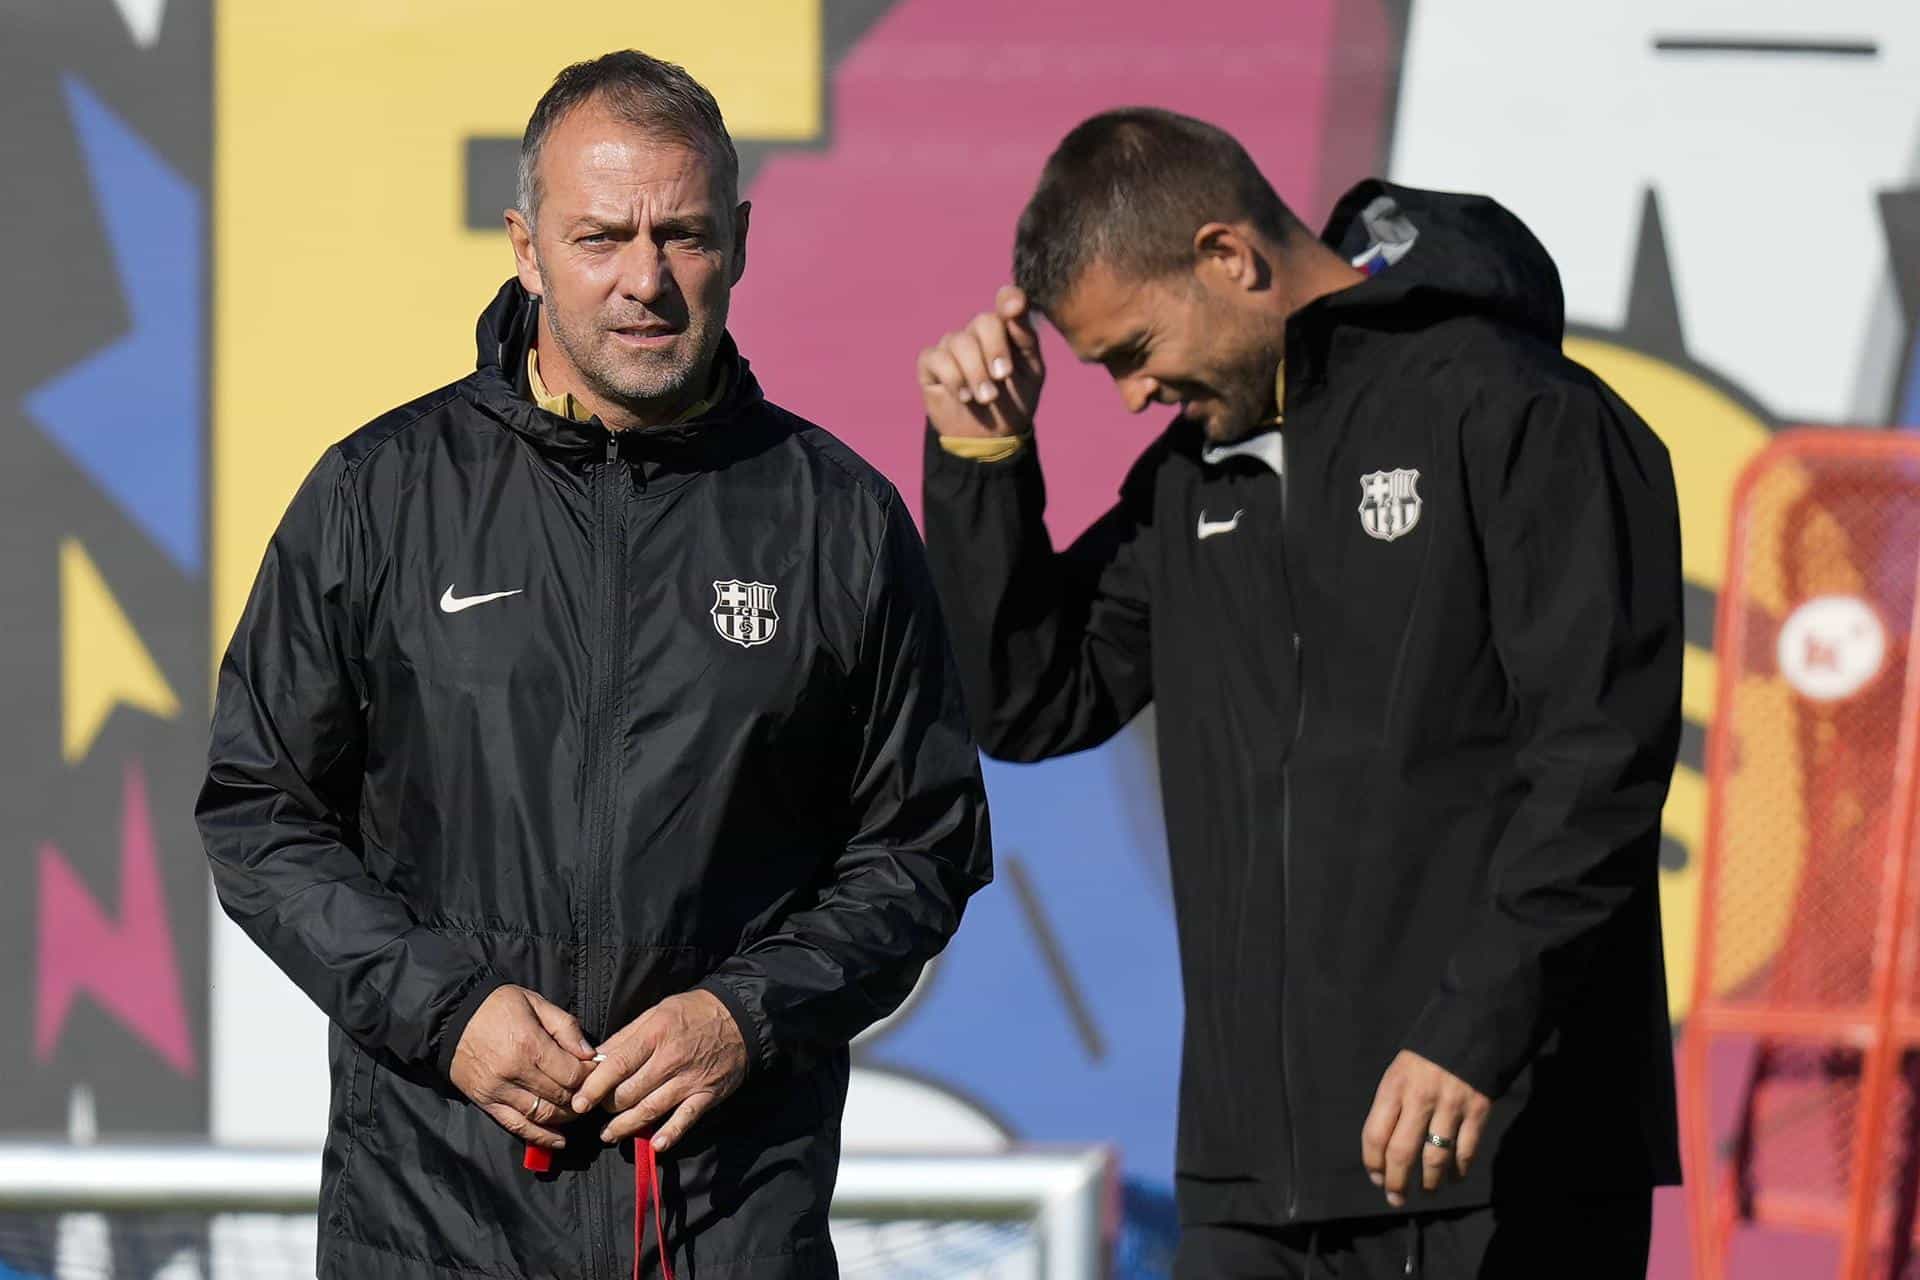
{"type": "Point", "coordinates": [1710, 437]}
{"type": "Point", "coordinates": [346, 281]}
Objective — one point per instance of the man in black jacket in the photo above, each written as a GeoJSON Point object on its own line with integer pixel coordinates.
{"type": "Point", "coordinates": [1403, 586]}
{"type": "Point", "coordinates": [591, 752]}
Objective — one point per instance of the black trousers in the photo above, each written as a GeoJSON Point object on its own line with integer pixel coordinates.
{"type": "Point", "coordinates": [1572, 1239]}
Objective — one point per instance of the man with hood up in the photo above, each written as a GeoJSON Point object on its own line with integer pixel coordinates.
{"type": "Point", "coordinates": [1403, 586]}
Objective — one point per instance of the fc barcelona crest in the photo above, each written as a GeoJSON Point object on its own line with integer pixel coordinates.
{"type": "Point", "coordinates": [1389, 503]}
{"type": "Point", "coordinates": [743, 612]}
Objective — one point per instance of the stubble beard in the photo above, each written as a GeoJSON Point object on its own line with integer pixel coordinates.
{"type": "Point", "coordinates": [637, 381]}
{"type": "Point", "coordinates": [1246, 393]}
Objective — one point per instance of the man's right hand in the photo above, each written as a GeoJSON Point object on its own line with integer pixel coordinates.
{"type": "Point", "coordinates": [520, 1060]}
{"type": "Point", "coordinates": [985, 379]}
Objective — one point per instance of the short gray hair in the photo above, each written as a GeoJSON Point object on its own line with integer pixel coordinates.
{"type": "Point", "coordinates": [1128, 189]}
{"type": "Point", "coordinates": [646, 93]}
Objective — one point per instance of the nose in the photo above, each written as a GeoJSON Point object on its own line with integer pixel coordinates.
{"type": "Point", "coordinates": [644, 274]}
{"type": "Point", "coordinates": [1138, 391]}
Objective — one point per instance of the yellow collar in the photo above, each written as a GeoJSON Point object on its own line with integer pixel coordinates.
{"type": "Point", "coordinates": [567, 406]}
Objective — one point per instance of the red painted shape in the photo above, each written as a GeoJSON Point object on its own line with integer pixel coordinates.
{"type": "Point", "coordinates": [127, 965]}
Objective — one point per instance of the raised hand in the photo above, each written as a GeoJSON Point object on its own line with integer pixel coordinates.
{"type": "Point", "coordinates": [984, 378]}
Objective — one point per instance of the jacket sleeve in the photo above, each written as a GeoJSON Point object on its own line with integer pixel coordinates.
{"type": "Point", "coordinates": [279, 810]}
{"type": "Point", "coordinates": [1581, 546]}
{"type": "Point", "coordinates": [918, 843]}
{"type": "Point", "coordinates": [1052, 646]}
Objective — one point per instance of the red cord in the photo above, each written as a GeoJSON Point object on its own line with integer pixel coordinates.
{"type": "Point", "coordinates": [646, 1180]}
{"type": "Point", "coordinates": [646, 1184]}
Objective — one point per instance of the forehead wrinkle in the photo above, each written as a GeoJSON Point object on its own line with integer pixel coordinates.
{"type": "Point", "coordinates": [619, 177]}
{"type": "Point", "coordinates": [1116, 327]}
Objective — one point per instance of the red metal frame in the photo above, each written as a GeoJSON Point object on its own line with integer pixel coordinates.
{"type": "Point", "coordinates": [1884, 1027]}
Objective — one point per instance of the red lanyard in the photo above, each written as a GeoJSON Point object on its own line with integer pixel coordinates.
{"type": "Point", "coordinates": [646, 1179]}
{"type": "Point", "coordinates": [646, 1185]}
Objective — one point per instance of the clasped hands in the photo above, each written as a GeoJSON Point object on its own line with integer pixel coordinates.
{"type": "Point", "coordinates": [524, 1061]}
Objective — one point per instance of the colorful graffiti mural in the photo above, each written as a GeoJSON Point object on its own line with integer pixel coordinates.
{"type": "Point", "coordinates": [103, 402]}
{"type": "Point", "coordinates": [251, 227]}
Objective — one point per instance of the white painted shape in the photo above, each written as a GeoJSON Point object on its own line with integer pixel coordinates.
{"type": "Point", "coordinates": [143, 18]}
{"type": "Point", "coordinates": [1767, 168]}
{"type": "Point", "coordinates": [267, 1061]}
{"type": "Point", "coordinates": [888, 1112]}
{"type": "Point", "coordinates": [83, 1123]}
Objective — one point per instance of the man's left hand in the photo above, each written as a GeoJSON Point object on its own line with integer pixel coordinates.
{"type": "Point", "coordinates": [1418, 1098]}
{"type": "Point", "coordinates": [668, 1067]}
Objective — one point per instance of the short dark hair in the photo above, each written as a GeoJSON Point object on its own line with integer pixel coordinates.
{"type": "Point", "coordinates": [646, 93]}
{"type": "Point", "coordinates": [1128, 189]}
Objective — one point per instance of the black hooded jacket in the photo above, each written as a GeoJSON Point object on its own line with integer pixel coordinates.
{"type": "Point", "coordinates": [1415, 663]}
{"type": "Point", "coordinates": [518, 700]}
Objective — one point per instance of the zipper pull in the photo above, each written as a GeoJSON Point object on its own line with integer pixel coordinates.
{"type": "Point", "coordinates": [613, 448]}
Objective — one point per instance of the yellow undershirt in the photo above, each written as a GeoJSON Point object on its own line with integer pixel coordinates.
{"type": "Point", "coordinates": [566, 406]}
{"type": "Point", "coordinates": [1000, 448]}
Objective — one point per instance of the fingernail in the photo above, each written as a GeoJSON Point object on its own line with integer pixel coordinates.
{"type": "Point", "coordinates": [657, 1144]}
{"type": "Point", "coordinates": [1378, 1180]}
{"type": "Point", "coordinates": [580, 1106]}
{"type": "Point", "coordinates": [987, 393]}
{"type": "Point", "coordinates": [1001, 368]}
{"type": "Point", "coordinates": [606, 1135]}
{"type": "Point", "coordinates": [559, 1142]}
{"type": "Point", "coordinates": [1395, 1199]}
{"type": "Point", "coordinates": [965, 396]}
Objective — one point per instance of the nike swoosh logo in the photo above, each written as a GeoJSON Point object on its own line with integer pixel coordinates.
{"type": "Point", "coordinates": [1210, 527]}
{"type": "Point", "coordinates": [451, 603]}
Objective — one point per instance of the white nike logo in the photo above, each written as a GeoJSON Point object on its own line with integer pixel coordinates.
{"type": "Point", "coordinates": [1210, 527]}
{"type": "Point", "coordinates": [451, 603]}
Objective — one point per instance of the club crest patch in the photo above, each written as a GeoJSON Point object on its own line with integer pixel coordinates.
{"type": "Point", "coordinates": [1389, 503]}
{"type": "Point", "coordinates": [743, 612]}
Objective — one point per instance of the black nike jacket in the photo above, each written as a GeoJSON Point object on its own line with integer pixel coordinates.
{"type": "Point", "coordinates": [1415, 664]}
{"type": "Point", "coordinates": [518, 700]}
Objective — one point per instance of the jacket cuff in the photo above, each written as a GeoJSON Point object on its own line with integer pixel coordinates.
{"type": "Point", "coordinates": [455, 1026]}
{"type": "Point", "coordinates": [752, 1022]}
{"type": "Point", "coordinates": [983, 448]}
{"type": "Point", "coordinates": [1487, 1043]}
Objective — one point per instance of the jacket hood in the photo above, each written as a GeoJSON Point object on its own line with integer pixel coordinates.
{"type": "Point", "coordinates": [1449, 254]}
{"type": "Point", "coordinates": [502, 336]}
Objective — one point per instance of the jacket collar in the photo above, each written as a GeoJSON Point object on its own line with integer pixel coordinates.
{"type": "Point", "coordinates": [499, 386]}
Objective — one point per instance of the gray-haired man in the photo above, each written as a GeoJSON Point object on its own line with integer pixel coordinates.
{"type": "Point", "coordinates": [590, 751]}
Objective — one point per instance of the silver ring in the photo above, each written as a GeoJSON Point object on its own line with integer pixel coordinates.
{"type": "Point", "coordinates": [1435, 1140]}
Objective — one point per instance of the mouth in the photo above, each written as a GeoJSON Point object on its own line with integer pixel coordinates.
{"type": "Point", "coordinates": [1192, 406]}
{"type": "Point", "coordinates": [645, 337]}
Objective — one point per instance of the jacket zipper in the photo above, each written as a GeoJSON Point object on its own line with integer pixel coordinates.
{"type": "Point", "coordinates": [1286, 842]}
{"type": "Point", "coordinates": [602, 757]}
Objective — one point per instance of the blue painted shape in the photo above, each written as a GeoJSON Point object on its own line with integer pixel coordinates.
{"type": "Point", "coordinates": [993, 1026]}
{"type": "Point", "coordinates": [1149, 1233]}
{"type": "Point", "coordinates": [130, 414]}
{"type": "Point", "coordinates": [1909, 414]}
